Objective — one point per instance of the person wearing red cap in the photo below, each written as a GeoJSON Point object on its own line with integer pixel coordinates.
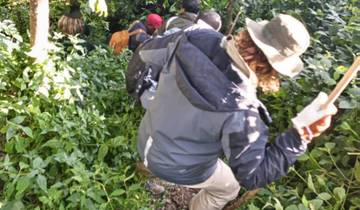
{"type": "Point", "coordinates": [153, 22]}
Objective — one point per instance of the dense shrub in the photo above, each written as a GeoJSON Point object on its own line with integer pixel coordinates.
{"type": "Point", "coordinates": [67, 132]}
{"type": "Point", "coordinates": [67, 129]}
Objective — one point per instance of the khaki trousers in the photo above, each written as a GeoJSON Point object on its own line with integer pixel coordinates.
{"type": "Point", "coordinates": [217, 190]}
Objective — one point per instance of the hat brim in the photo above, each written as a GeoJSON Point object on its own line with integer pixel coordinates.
{"type": "Point", "coordinates": [289, 66]}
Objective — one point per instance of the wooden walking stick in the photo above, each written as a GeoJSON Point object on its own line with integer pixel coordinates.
{"type": "Point", "coordinates": [241, 199]}
{"type": "Point", "coordinates": [349, 75]}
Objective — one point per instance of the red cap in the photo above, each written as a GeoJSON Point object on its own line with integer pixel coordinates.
{"type": "Point", "coordinates": [154, 20]}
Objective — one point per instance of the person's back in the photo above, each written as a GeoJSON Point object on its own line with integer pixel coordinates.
{"type": "Point", "coordinates": [137, 39]}
{"type": "Point", "coordinates": [206, 104]}
{"type": "Point", "coordinates": [186, 17]}
{"type": "Point", "coordinates": [153, 22]}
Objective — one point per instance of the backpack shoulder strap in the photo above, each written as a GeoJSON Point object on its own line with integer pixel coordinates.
{"type": "Point", "coordinates": [136, 32]}
{"type": "Point", "coordinates": [169, 22]}
{"type": "Point", "coordinates": [133, 23]}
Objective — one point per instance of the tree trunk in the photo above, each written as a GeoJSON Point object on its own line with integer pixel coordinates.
{"type": "Point", "coordinates": [39, 28]}
{"type": "Point", "coordinates": [229, 12]}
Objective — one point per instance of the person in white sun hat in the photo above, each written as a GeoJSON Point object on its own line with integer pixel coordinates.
{"type": "Point", "coordinates": [282, 41]}
{"type": "Point", "coordinates": [206, 105]}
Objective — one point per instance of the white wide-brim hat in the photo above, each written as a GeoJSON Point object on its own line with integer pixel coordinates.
{"type": "Point", "coordinates": [282, 40]}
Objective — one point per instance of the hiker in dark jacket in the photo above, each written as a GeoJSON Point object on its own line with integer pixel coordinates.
{"type": "Point", "coordinates": [153, 22]}
{"type": "Point", "coordinates": [205, 105]}
{"type": "Point", "coordinates": [207, 18]}
{"type": "Point", "coordinates": [186, 17]}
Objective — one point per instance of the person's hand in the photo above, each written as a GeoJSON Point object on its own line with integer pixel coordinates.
{"type": "Point", "coordinates": [313, 119]}
{"type": "Point", "coordinates": [99, 7]}
{"type": "Point", "coordinates": [315, 129]}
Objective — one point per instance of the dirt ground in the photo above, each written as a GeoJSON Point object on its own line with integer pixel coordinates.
{"type": "Point", "coordinates": [171, 196]}
{"type": "Point", "coordinates": [175, 197]}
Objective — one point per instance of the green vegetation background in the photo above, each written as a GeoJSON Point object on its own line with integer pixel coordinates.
{"type": "Point", "coordinates": [68, 128]}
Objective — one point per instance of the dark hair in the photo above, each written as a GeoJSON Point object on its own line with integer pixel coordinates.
{"type": "Point", "coordinates": [191, 5]}
{"type": "Point", "coordinates": [72, 23]}
{"type": "Point", "coordinates": [212, 18]}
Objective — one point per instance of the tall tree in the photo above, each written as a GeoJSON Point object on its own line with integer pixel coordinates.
{"type": "Point", "coordinates": [39, 28]}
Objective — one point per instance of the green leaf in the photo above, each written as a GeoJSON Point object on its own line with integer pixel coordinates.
{"type": "Point", "coordinates": [10, 133]}
{"type": "Point", "coordinates": [339, 193]}
{"type": "Point", "coordinates": [22, 184]}
{"type": "Point", "coordinates": [278, 205]}
{"type": "Point", "coordinates": [23, 165]}
{"type": "Point", "coordinates": [304, 200]}
{"type": "Point", "coordinates": [9, 189]}
{"type": "Point", "coordinates": [330, 146]}
{"type": "Point", "coordinates": [89, 204]}
{"type": "Point", "coordinates": [38, 163]}
{"type": "Point", "coordinates": [324, 196]}
{"type": "Point", "coordinates": [103, 151]}
{"type": "Point", "coordinates": [357, 170]}
{"type": "Point", "coordinates": [292, 207]}
{"type": "Point", "coordinates": [346, 104]}
{"type": "Point", "coordinates": [302, 207]}
{"type": "Point", "coordinates": [28, 131]}
{"type": "Point", "coordinates": [303, 157]}
{"type": "Point", "coordinates": [310, 183]}
{"type": "Point", "coordinates": [18, 119]}
{"type": "Point", "coordinates": [13, 205]}
{"type": "Point", "coordinates": [118, 192]}
{"type": "Point", "coordinates": [252, 207]}
{"type": "Point", "coordinates": [21, 145]}
{"type": "Point", "coordinates": [316, 203]}
{"type": "Point", "coordinates": [53, 143]}
{"type": "Point", "coordinates": [41, 181]}
{"type": "Point", "coordinates": [321, 180]}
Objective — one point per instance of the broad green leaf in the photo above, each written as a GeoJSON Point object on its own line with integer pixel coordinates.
{"type": "Point", "coordinates": [41, 181]}
{"type": "Point", "coordinates": [320, 180]}
{"type": "Point", "coordinates": [346, 104]}
{"type": "Point", "coordinates": [28, 131]}
{"type": "Point", "coordinates": [14, 205]}
{"type": "Point", "coordinates": [9, 189]}
{"type": "Point", "coordinates": [53, 143]}
{"type": "Point", "coordinates": [23, 165]}
{"type": "Point", "coordinates": [22, 184]}
{"type": "Point", "coordinates": [90, 204]}
{"type": "Point", "coordinates": [118, 192]}
{"type": "Point", "coordinates": [302, 207]}
{"type": "Point", "coordinates": [316, 203]}
{"type": "Point", "coordinates": [21, 145]}
{"type": "Point", "coordinates": [18, 119]}
{"type": "Point", "coordinates": [96, 194]}
{"type": "Point", "coordinates": [103, 151]}
{"type": "Point", "coordinates": [324, 196]}
{"type": "Point", "coordinates": [339, 193]}
{"type": "Point", "coordinates": [303, 157]}
{"type": "Point", "coordinates": [38, 163]}
{"type": "Point", "coordinates": [44, 199]}
{"type": "Point", "coordinates": [310, 183]}
{"type": "Point", "coordinates": [10, 133]}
